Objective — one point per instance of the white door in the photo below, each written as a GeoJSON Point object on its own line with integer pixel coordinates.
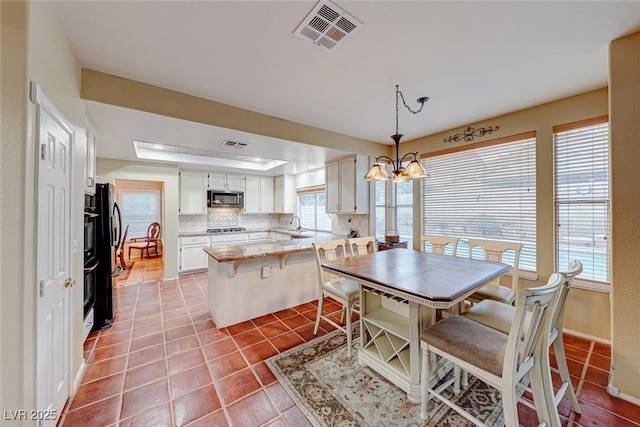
{"type": "Point", "coordinates": [55, 146]}
{"type": "Point", "coordinates": [252, 194]}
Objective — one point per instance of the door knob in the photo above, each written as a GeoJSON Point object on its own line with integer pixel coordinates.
{"type": "Point", "coordinates": [69, 283]}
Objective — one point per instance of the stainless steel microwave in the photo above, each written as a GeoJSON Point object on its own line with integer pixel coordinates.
{"type": "Point", "coordinates": [222, 199]}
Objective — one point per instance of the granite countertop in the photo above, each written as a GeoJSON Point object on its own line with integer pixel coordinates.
{"type": "Point", "coordinates": [262, 230]}
{"type": "Point", "coordinates": [274, 248]}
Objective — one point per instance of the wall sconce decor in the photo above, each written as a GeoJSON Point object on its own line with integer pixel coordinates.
{"type": "Point", "coordinates": [469, 133]}
{"type": "Point", "coordinates": [400, 173]}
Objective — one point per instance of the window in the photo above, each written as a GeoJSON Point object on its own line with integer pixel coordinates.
{"type": "Point", "coordinates": [381, 195]}
{"type": "Point", "coordinates": [394, 212]}
{"type": "Point", "coordinates": [311, 204]}
{"type": "Point", "coordinates": [485, 190]}
{"type": "Point", "coordinates": [139, 209]}
{"type": "Point", "coordinates": [581, 181]}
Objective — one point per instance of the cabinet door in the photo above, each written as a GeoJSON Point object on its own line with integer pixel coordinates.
{"type": "Point", "coordinates": [332, 187]}
{"type": "Point", "coordinates": [252, 194]}
{"type": "Point", "coordinates": [347, 186]}
{"type": "Point", "coordinates": [284, 194]}
{"type": "Point", "coordinates": [90, 164]}
{"type": "Point", "coordinates": [266, 195]}
{"type": "Point", "coordinates": [193, 258]}
{"type": "Point", "coordinates": [193, 192]}
{"type": "Point", "coordinates": [235, 182]}
{"type": "Point", "coordinates": [217, 181]}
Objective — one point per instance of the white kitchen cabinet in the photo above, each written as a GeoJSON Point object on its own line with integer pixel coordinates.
{"type": "Point", "coordinates": [90, 162]}
{"type": "Point", "coordinates": [192, 254]}
{"type": "Point", "coordinates": [230, 239]}
{"type": "Point", "coordinates": [193, 192]}
{"type": "Point", "coordinates": [259, 237]}
{"type": "Point", "coordinates": [345, 188]}
{"type": "Point", "coordinates": [226, 182]}
{"type": "Point", "coordinates": [258, 194]}
{"type": "Point", "coordinates": [284, 194]}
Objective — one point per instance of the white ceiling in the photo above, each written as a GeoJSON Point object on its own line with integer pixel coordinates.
{"type": "Point", "coordinates": [474, 59]}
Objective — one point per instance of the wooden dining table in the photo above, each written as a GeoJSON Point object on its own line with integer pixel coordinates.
{"type": "Point", "coordinates": [400, 291]}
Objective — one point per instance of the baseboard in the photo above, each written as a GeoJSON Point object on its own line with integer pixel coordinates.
{"type": "Point", "coordinates": [78, 378]}
{"type": "Point", "coordinates": [616, 393]}
{"type": "Point", "coordinates": [586, 336]}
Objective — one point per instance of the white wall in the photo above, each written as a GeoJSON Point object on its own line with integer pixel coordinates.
{"type": "Point", "coordinates": [109, 170]}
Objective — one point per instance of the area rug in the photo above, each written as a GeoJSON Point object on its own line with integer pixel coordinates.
{"type": "Point", "coordinates": [127, 272]}
{"type": "Point", "coordinates": [332, 389]}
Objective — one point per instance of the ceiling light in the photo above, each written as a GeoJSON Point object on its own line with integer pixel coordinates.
{"type": "Point", "coordinates": [414, 169]}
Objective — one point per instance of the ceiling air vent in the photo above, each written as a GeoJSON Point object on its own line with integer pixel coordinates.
{"type": "Point", "coordinates": [326, 26]}
{"type": "Point", "coordinates": [234, 144]}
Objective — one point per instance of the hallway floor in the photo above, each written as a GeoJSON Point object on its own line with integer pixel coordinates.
{"type": "Point", "coordinates": [163, 363]}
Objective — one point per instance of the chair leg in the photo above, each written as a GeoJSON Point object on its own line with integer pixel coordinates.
{"type": "Point", "coordinates": [319, 314]}
{"type": "Point", "coordinates": [456, 382]}
{"type": "Point", "coordinates": [425, 396]}
{"type": "Point", "coordinates": [561, 360]}
{"type": "Point", "coordinates": [348, 310]}
{"type": "Point", "coordinates": [509, 405]}
{"type": "Point", "coordinates": [129, 253]}
{"type": "Point", "coordinates": [542, 389]}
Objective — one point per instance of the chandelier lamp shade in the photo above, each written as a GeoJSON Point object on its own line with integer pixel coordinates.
{"type": "Point", "coordinates": [400, 173]}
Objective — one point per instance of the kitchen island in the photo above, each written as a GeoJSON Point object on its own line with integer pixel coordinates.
{"type": "Point", "coordinates": [251, 280]}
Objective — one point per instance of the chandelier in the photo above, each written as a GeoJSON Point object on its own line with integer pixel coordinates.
{"type": "Point", "coordinates": [400, 173]}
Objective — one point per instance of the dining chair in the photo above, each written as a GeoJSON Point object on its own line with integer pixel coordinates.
{"type": "Point", "coordinates": [120, 249]}
{"type": "Point", "coordinates": [344, 291]}
{"type": "Point", "coordinates": [439, 243]}
{"type": "Point", "coordinates": [147, 242]}
{"type": "Point", "coordinates": [362, 245]}
{"type": "Point", "coordinates": [500, 360]}
{"type": "Point", "coordinates": [494, 250]}
{"type": "Point", "coordinates": [500, 317]}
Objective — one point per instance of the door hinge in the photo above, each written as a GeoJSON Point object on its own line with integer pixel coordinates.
{"type": "Point", "coordinates": [43, 152]}
{"type": "Point", "coordinates": [41, 288]}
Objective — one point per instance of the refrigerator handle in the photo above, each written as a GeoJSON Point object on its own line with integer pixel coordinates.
{"type": "Point", "coordinates": [116, 212]}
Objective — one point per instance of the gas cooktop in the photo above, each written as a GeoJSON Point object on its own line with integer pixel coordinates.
{"type": "Point", "coordinates": [225, 230]}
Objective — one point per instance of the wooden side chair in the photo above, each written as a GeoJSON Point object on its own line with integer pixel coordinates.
{"type": "Point", "coordinates": [120, 250]}
{"type": "Point", "coordinates": [346, 292]}
{"type": "Point", "coordinates": [499, 316]}
{"type": "Point", "coordinates": [500, 360]}
{"type": "Point", "coordinates": [148, 242]}
{"type": "Point", "coordinates": [362, 245]}
{"type": "Point", "coordinates": [439, 243]}
{"type": "Point", "coordinates": [494, 251]}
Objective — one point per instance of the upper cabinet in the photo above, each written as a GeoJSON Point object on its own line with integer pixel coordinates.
{"type": "Point", "coordinates": [346, 189]}
{"type": "Point", "coordinates": [193, 192]}
{"type": "Point", "coordinates": [259, 194]}
{"type": "Point", "coordinates": [90, 162]}
{"type": "Point", "coordinates": [226, 182]}
{"type": "Point", "coordinates": [284, 194]}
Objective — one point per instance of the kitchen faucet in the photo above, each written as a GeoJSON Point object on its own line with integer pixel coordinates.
{"type": "Point", "coordinates": [291, 222]}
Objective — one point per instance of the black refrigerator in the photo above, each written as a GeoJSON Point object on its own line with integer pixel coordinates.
{"type": "Point", "coordinates": [108, 236]}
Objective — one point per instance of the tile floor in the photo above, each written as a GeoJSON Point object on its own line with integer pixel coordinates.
{"type": "Point", "coordinates": [164, 363]}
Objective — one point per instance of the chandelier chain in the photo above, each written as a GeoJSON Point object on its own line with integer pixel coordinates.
{"type": "Point", "coordinates": [421, 101]}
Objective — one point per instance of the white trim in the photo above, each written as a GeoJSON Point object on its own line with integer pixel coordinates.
{"type": "Point", "coordinates": [586, 336]}
{"type": "Point", "coordinates": [613, 391]}
{"type": "Point", "coordinates": [77, 379]}
{"type": "Point", "coordinates": [591, 286]}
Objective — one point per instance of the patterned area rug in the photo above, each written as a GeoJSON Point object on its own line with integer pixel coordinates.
{"type": "Point", "coordinates": [334, 390]}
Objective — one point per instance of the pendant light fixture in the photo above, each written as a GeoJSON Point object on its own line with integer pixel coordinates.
{"type": "Point", "coordinates": [400, 173]}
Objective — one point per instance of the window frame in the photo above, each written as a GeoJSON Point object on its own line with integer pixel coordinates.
{"type": "Point", "coordinates": [122, 194]}
{"type": "Point", "coordinates": [315, 190]}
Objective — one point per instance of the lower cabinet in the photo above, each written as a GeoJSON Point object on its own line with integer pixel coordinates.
{"type": "Point", "coordinates": [192, 254]}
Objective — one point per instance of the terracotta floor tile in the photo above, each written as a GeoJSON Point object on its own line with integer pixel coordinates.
{"type": "Point", "coordinates": [177, 322]}
{"type": "Point", "coordinates": [600, 361]}
{"type": "Point", "coordinates": [273, 329]}
{"type": "Point", "coordinates": [158, 416]}
{"type": "Point", "coordinates": [311, 315]}
{"type": "Point", "coordinates": [309, 306]}
{"type": "Point", "coordinates": [283, 314]}
{"type": "Point", "coordinates": [295, 417]}
{"type": "Point", "coordinates": [146, 330]}
{"type": "Point", "coordinates": [598, 396]}
{"type": "Point", "coordinates": [219, 348]}
{"type": "Point", "coordinates": [118, 327]}
{"type": "Point", "coordinates": [227, 364]}
{"type": "Point", "coordinates": [597, 376]}
{"type": "Point", "coordinates": [111, 339]}
{"type": "Point", "coordinates": [104, 369]}
{"type": "Point", "coordinates": [179, 332]}
{"type": "Point", "coordinates": [259, 352]}
{"type": "Point", "coordinates": [145, 374]}
{"type": "Point", "coordinates": [296, 321]}
{"type": "Point", "coordinates": [97, 390]}
{"type": "Point", "coordinates": [237, 385]}
{"type": "Point", "coordinates": [575, 341]}
{"type": "Point", "coordinates": [213, 335]}
{"type": "Point", "coordinates": [602, 349]}
{"type": "Point", "coordinates": [264, 374]}
{"type": "Point", "coordinates": [248, 338]}
{"type": "Point", "coordinates": [306, 332]}
{"type": "Point", "coordinates": [184, 361]}
{"type": "Point", "coordinates": [109, 351]}
{"type": "Point", "coordinates": [204, 325]}
{"type": "Point", "coordinates": [172, 314]}
{"type": "Point", "coordinates": [595, 416]}
{"type": "Point", "coordinates": [214, 419]}
{"type": "Point", "coordinates": [575, 367]}
{"type": "Point", "coordinates": [142, 398]}
{"type": "Point", "coordinates": [254, 410]}
{"type": "Point", "coordinates": [286, 341]}
{"type": "Point", "coordinates": [576, 353]}
{"type": "Point", "coordinates": [264, 320]}
{"type": "Point", "coordinates": [147, 341]}
{"type": "Point", "coordinates": [278, 422]}
{"type": "Point", "coordinates": [189, 380]}
{"type": "Point", "coordinates": [195, 405]}
{"type": "Point", "coordinates": [280, 397]}
{"type": "Point", "coordinates": [147, 320]}
{"type": "Point", "coordinates": [147, 355]}
{"type": "Point", "coordinates": [241, 327]}
{"type": "Point", "coordinates": [181, 345]}
{"type": "Point", "coordinates": [99, 414]}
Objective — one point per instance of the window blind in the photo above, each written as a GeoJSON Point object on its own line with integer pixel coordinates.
{"type": "Point", "coordinates": [485, 191]}
{"type": "Point", "coordinates": [311, 209]}
{"type": "Point", "coordinates": [581, 182]}
{"type": "Point", "coordinates": [139, 209]}
{"type": "Point", "coordinates": [381, 194]}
